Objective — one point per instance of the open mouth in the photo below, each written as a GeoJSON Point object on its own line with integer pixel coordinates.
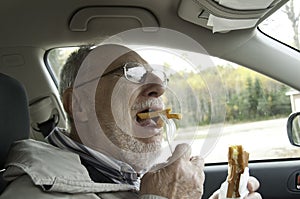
{"type": "Point", "coordinates": [155, 122]}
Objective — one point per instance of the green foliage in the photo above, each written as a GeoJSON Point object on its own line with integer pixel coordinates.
{"type": "Point", "coordinates": [256, 98]}
{"type": "Point", "coordinates": [249, 96]}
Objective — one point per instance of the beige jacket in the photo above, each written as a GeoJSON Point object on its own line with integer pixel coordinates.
{"type": "Point", "coordinates": [37, 170]}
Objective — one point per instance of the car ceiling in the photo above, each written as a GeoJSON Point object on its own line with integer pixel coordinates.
{"type": "Point", "coordinates": [32, 27]}
{"type": "Point", "coordinates": [46, 24]}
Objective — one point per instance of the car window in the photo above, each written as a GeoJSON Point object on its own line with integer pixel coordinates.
{"type": "Point", "coordinates": [256, 106]}
{"type": "Point", "coordinates": [283, 25]}
{"type": "Point", "coordinates": [257, 110]}
{"type": "Point", "coordinates": [56, 58]}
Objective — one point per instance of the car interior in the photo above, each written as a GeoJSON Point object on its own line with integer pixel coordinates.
{"type": "Point", "coordinates": [14, 110]}
{"type": "Point", "coordinates": [30, 105]}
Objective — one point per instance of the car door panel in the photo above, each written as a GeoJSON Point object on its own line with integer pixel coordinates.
{"type": "Point", "coordinates": [278, 179]}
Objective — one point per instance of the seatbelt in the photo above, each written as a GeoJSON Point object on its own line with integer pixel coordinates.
{"type": "Point", "coordinates": [47, 126]}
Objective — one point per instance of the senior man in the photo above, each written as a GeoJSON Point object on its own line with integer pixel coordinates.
{"type": "Point", "coordinates": [109, 151]}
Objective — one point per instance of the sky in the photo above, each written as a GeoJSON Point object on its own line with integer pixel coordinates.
{"type": "Point", "coordinates": [279, 26]}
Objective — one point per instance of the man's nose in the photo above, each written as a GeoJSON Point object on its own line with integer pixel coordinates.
{"type": "Point", "coordinates": [154, 86]}
{"type": "Point", "coordinates": [153, 90]}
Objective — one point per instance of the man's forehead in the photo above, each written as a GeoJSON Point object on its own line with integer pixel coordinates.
{"type": "Point", "coordinates": [104, 59]}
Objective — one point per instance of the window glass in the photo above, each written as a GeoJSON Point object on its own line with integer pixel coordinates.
{"type": "Point", "coordinates": [257, 110]}
{"type": "Point", "coordinates": [256, 106]}
{"type": "Point", "coordinates": [56, 58]}
{"type": "Point", "coordinates": [283, 25]}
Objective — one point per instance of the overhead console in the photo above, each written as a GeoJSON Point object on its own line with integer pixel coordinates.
{"type": "Point", "coordinates": [227, 15]}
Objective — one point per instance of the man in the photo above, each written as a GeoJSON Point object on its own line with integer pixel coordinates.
{"type": "Point", "coordinates": [110, 151]}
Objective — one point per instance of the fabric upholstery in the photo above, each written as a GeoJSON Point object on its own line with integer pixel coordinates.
{"type": "Point", "coordinates": [14, 116]}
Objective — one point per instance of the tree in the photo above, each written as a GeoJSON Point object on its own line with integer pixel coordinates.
{"type": "Point", "coordinates": [294, 18]}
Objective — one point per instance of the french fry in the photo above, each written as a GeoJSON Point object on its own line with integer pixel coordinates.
{"type": "Point", "coordinates": [166, 112]}
{"type": "Point", "coordinates": [237, 162]}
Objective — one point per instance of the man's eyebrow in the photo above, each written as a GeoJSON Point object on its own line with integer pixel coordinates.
{"type": "Point", "coordinates": [98, 77]}
{"type": "Point", "coordinates": [114, 70]}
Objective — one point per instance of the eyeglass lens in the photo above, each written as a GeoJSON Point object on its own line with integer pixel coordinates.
{"type": "Point", "coordinates": [136, 72]}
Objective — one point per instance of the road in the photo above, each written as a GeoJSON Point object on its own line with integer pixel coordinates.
{"type": "Point", "coordinates": [263, 140]}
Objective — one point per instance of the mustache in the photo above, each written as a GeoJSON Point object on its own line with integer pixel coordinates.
{"type": "Point", "coordinates": [147, 103]}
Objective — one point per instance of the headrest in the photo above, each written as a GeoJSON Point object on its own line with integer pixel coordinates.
{"type": "Point", "coordinates": [14, 115]}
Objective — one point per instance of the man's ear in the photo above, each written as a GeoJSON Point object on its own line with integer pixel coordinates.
{"type": "Point", "coordinates": [80, 112]}
{"type": "Point", "coordinates": [67, 101]}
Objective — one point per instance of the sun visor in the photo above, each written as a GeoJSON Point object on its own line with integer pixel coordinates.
{"type": "Point", "coordinates": [227, 15]}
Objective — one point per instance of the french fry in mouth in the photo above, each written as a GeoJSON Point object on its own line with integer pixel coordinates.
{"type": "Point", "coordinates": [166, 112]}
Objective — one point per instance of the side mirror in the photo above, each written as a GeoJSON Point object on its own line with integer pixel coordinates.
{"type": "Point", "coordinates": [293, 128]}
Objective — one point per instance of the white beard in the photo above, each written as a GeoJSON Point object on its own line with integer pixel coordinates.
{"type": "Point", "coordinates": [141, 156]}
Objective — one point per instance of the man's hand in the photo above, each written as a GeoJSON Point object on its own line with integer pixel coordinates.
{"type": "Point", "coordinates": [252, 186]}
{"type": "Point", "coordinates": [183, 178]}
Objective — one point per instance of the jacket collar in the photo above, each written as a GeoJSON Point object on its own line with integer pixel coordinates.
{"type": "Point", "coordinates": [53, 169]}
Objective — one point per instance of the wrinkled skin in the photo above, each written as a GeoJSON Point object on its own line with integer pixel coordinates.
{"type": "Point", "coordinates": [183, 178]}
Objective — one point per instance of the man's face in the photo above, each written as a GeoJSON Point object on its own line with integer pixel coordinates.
{"type": "Point", "coordinates": [118, 101]}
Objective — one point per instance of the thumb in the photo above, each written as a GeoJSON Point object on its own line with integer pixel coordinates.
{"type": "Point", "coordinates": [182, 151]}
{"type": "Point", "coordinates": [253, 184]}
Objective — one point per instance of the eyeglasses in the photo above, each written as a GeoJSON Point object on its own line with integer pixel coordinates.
{"type": "Point", "coordinates": [136, 72]}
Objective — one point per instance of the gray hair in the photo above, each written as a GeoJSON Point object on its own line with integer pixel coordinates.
{"type": "Point", "coordinates": [71, 68]}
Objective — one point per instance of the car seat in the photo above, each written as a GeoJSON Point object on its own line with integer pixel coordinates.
{"type": "Point", "coordinates": [14, 117]}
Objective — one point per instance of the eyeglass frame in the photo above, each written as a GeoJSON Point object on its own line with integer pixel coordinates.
{"type": "Point", "coordinates": [123, 69]}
